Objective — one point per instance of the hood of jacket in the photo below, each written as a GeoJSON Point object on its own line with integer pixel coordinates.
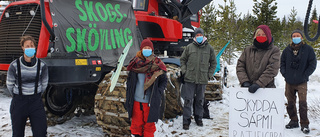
{"type": "Point", "coordinates": [202, 44]}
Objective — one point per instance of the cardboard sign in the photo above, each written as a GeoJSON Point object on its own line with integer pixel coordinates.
{"type": "Point", "coordinates": [260, 114]}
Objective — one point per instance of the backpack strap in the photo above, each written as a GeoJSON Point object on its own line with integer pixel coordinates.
{"type": "Point", "coordinates": [19, 76]}
{"type": "Point", "coordinates": [37, 77]}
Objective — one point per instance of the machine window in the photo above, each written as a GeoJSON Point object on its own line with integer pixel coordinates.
{"type": "Point", "coordinates": [139, 4]}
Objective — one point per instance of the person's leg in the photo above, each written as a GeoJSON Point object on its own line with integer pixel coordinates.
{"type": "Point", "coordinates": [187, 95]}
{"type": "Point", "coordinates": [148, 128]}
{"type": "Point", "coordinates": [38, 118]}
{"type": "Point", "coordinates": [290, 93]}
{"type": "Point", "coordinates": [137, 119]}
{"type": "Point", "coordinates": [303, 108]}
{"type": "Point", "coordinates": [199, 100]}
{"type": "Point", "coordinates": [18, 116]}
{"type": "Point", "coordinates": [206, 112]}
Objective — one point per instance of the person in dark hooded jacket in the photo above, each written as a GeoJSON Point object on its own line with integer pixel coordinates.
{"type": "Point", "coordinates": [298, 62]}
{"type": "Point", "coordinates": [260, 62]}
{"type": "Point", "coordinates": [146, 83]}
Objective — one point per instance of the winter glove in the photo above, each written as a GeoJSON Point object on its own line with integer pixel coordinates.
{"type": "Point", "coordinates": [181, 78]}
{"type": "Point", "coordinates": [246, 84]}
{"type": "Point", "coordinates": [253, 88]}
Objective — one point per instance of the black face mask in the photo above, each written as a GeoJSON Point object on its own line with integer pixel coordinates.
{"type": "Point", "coordinates": [259, 45]}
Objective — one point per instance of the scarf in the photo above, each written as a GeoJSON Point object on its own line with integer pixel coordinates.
{"type": "Point", "coordinates": [295, 47]}
{"type": "Point", "coordinates": [151, 66]}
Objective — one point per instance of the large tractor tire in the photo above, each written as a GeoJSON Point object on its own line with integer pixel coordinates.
{"type": "Point", "coordinates": [173, 102]}
{"type": "Point", "coordinates": [58, 106]}
{"type": "Point", "coordinates": [63, 103]}
{"type": "Point", "coordinates": [109, 106]}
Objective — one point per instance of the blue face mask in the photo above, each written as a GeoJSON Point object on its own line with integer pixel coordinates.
{"type": "Point", "coordinates": [296, 40]}
{"type": "Point", "coordinates": [147, 52]}
{"type": "Point", "coordinates": [29, 51]}
{"type": "Point", "coordinates": [199, 39]}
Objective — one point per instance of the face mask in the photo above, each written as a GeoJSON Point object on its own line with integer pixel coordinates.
{"type": "Point", "coordinates": [261, 39]}
{"type": "Point", "coordinates": [29, 51]}
{"type": "Point", "coordinates": [259, 45]}
{"type": "Point", "coordinates": [146, 52]}
{"type": "Point", "coordinates": [296, 40]}
{"type": "Point", "coordinates": [199, 39]}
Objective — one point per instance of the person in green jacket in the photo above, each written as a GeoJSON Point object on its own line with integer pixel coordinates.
{"type": "Point", "coordinates": [198, 62]}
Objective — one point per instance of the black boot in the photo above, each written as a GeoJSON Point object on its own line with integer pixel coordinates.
{"type": "Point", "coordinates": [292, 124]}
{"type": "Point", "coordinates": [199, 123]}
{"type": "Point", "coordinates": [186, 126]}
{"type": "Point", "coordinates": [137, 136]}
{"type": "Point", "coordinates": [305, 129]}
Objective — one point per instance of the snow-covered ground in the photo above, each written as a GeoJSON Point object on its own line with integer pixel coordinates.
{"type": "Point", "coordinates": [218, 126]}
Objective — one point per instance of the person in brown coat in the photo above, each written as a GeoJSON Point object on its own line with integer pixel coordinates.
{"type": "Point", "coordinates": [260, 62]}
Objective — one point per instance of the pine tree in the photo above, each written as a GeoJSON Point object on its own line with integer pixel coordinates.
{"type": "Point", "coordinates": [227, 29]}
{"type": "Point", "coordinates": [285, 34]}
{"type": "Point", "coordinates": [247, 27]}
{"type": "Point", "coordinates": [277, 33]}
{"type": "Point", "coordinates": [294, 23]}
{"type": "Point", "coordinates": [207, 21]}
{"type": "Point", "coordinates": [292, 18]}
{"type": "Point", "coordinates": [265, 11]}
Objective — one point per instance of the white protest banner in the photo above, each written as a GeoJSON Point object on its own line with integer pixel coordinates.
{"type": "Point", "coordinates": [260, 114]}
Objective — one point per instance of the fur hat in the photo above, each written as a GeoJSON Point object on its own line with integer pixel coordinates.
{"type": "Point", "coordinates": [146, 42]}
{"type": "Point", "coordinates": [297, 31]}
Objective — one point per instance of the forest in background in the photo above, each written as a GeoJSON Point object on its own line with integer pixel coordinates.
{"type": "Point", "coordinates": [221, 23]}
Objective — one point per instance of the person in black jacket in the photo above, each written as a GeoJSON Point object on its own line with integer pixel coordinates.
{"type": "Point", "coordinates": [298, 62]}
{"type": "Point", "coordinates": [146, 83]}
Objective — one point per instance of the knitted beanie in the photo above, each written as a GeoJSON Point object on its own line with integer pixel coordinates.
{"type": "Point", "coordinates": [146, 42]}
{"type": "Point", "coordinates": [267, 31]}
{"type": "Point", "coordinates": [198, 30]}
{"type": "Point", "coordinates": [297, 31]}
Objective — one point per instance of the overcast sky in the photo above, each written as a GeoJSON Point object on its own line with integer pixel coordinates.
{"type": "Point", "coordinates": [284, 7]}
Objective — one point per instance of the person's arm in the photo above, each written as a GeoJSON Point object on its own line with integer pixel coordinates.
{"type": "Point", "coordinates": [241, 68]}
{"type": "Point", "coordinates": [11, 78]}
{"type": "Point", "coordinates": [283, 63]}
{"type": "Point", "coordinates": [162, 83]}
{"type": "Point", "coordinates": [213, 62]}
{"type": "Point", "coordinates": [184, 60]}
{"type": "Point", "coordinates": [271, 70]}
{"type": "Point", "coordinates": [312, 63]}
{"type": "Point", "coordinates": [44, 77]}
